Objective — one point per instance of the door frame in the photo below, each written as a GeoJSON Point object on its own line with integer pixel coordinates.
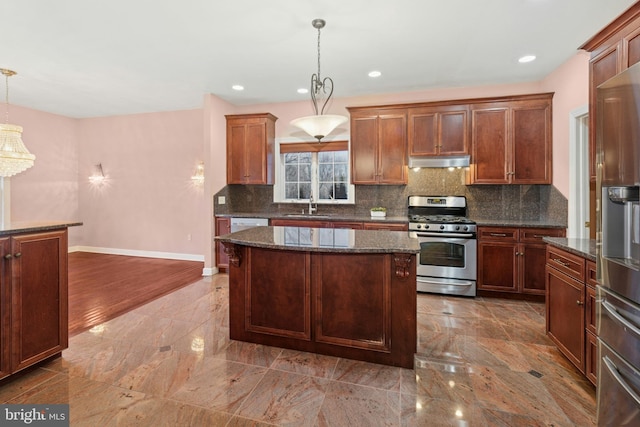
{"type": "Point", "coordinates": [579, 173]}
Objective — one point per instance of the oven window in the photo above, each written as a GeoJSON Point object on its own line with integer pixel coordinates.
{"type": "Point", "coordinates": [443, 254]}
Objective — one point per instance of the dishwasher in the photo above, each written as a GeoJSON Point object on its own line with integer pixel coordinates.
{"type": "Point", "coordinates": [238, 224]}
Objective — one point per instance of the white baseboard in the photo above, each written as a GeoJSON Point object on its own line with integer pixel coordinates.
{"type": "Point", "coordinates": [145, 254]}
{"type": "Point", "coordinates": [210, 271]}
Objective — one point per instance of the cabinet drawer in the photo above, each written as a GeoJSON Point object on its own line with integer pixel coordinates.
{"type": "Point", "coordinates": [570, 264]}
{"type": "Point", "coordinates": [592, 278]}
{"type": "Point", "coordinates": [386, 226]}
{"type": "Point", "coordinates": [536, 234]}
{"type": "Point", "coordinates": [498, 233]}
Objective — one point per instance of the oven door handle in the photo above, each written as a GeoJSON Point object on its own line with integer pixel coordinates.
{"type": "Point", "coordinates": [445, 235]}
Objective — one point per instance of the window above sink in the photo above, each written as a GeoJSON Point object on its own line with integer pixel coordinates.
{"type": "Point", "coordinates": [311, 169]}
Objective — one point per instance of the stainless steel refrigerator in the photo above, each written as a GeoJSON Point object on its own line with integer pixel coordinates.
{"type": "Point", "coordinates": [618, 295]}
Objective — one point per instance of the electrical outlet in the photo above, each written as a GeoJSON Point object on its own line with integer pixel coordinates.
{"type": "Point", "coordinates": [222, 200]}
{"type": "Point", "coordinates": [189, 236]}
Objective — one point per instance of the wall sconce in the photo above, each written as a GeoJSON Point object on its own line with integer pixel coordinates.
{"type": "Point", "coordinates": [97, 177]}
{"type": "Point", "coordinates": [198, 176]}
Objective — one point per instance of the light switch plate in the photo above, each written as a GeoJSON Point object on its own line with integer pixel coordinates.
{"type": "Point", "coordinates": [222, 200]}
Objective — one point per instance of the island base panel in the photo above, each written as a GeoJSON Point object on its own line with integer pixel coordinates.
{"type": "Point", "coordinates": [352, 305]}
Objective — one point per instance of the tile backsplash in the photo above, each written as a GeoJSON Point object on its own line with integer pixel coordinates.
{"type": "Point", "coordinates": [498, 202]}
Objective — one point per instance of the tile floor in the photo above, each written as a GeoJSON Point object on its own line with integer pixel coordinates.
{"type": "Point", "coordinates": [480, 362]}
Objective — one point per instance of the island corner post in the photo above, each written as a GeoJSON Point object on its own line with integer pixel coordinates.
{"type": "Point", "coordinates": [352, 304]}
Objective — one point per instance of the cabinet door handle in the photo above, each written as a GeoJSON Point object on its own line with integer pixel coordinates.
{"type": "Point", "coordinates": [579, 302]}
{"type": "Point", "coordinates": [498, 234]}
{"type": "Point", "coordinates": [8, 256]}
{"type": "Point", "coordinates": [18, 254]}
{"type": "Point", "coordinates": [539, 235]}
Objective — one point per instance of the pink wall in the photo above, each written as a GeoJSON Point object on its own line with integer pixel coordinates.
{"type": "Point", "coordinates": [48, 190]}
{"type": "Point", "coordinates": [149, 202]}
{"type": "Point", "coordinates": [570, 82]}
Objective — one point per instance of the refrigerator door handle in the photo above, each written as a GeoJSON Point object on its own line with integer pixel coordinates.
{"type": "Point", "coordinates": [613, 370]}
{"type": "Point", "coordinates": [635, 223]}
{"type": "Point", "coordinates": [614, 313]}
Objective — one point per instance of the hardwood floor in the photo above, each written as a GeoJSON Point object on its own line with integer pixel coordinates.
{"type": "Point", "coordinates": [103, 286]}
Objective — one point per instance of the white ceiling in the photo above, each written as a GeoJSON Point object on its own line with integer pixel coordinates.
{"type": "Point", "coordinates": [89, 58]}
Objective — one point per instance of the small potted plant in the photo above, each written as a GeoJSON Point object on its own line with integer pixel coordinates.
{"type": "Point", "coordinates": [378, 212]}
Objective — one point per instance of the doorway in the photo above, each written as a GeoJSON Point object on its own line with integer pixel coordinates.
{"type": "Point", "coordinates": [579, 221]}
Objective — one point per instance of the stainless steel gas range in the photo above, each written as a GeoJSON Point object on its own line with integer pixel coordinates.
{"type": "Point", "coordinates": [446, 262]}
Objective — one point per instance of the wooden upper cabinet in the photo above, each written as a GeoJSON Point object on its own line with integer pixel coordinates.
{"type": "Point", "coordinates": [511, 141]}
{"type": "Point", "coordinates": [531, 149]}
{"type": "Point", "coordinates": [250, 148]}
{"type": "Point", "coordinates": [614, 49]}
{"type": "Point", "coordinates": [601, 69]}
{"type": "Point", "coordinates": [378, 146]}
{"type": "Point", "coordinates": [438, 131]}
{"type": "Point", "coordinates": [631, 44]}
{"type": "Point", "coordinates": [489, 139]}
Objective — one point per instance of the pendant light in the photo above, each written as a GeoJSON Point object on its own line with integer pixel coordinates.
{"type": "Point", "coordinates": [14, 156]}
{"type": "Point", "coordinates": [320, 124]}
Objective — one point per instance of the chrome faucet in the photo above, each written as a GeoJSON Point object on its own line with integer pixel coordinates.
{"type": "Point", "coordinates": [312, 208]}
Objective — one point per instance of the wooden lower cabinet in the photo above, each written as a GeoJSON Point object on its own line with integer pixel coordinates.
{"type": "Point", "coordinates": [565, 315]}
{"type": "Point", "coordinates": [355, 305]}
{"type": "Point", "coordinates": [512, 259]}
{"type": "Point", "coordinates": [34, 305]}
{"type": "Point", "coordinates": [571, 309]}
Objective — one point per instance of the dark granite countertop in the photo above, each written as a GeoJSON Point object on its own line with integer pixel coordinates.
{"type": "Point", "coordinates": [324, 240]}
{"type": "Point", "coordinates": [586, 248]}
{"type": "Point", "coordinates": [35, 226]}
{"type": "Point", "coordinates": [517, 223]}
{"type": "Point", "coordinates": [394, 219]}
{"type": "Point", "coordinates": [315, 217]}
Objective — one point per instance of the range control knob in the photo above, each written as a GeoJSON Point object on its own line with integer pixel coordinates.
{"type": "Point", "coordinates": [457, 227]}
{"type": "Point", "coordinates": [466, 228]}
{"type": "Point", "coordinates": [426, 227]}
{"type": "Point", "coordinates": [442, 227]}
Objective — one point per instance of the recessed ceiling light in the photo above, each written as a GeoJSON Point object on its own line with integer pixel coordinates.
{"type": "Point", "coordinates": [237, 87]}
{"type": "Point", "coordinates": [303, 90]}
{"type": "Point", "coordinates": [527, 58]}
{"type": "Point", "coordinates": [375, 74]}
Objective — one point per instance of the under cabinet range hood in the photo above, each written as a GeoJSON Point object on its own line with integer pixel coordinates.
{"type": "Point", "coordinates": [439, 161]}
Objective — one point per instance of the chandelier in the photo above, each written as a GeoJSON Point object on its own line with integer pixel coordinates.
{"type": "Point", "coordinates": [14, 156]}
{"type": "Point", "coordinates": [320, 124]}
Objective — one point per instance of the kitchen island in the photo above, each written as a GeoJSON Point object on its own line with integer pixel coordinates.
{"type": "Point", "coordinates": [339, 292]}
{"type": "Point", "coordinates": [33, 293]}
